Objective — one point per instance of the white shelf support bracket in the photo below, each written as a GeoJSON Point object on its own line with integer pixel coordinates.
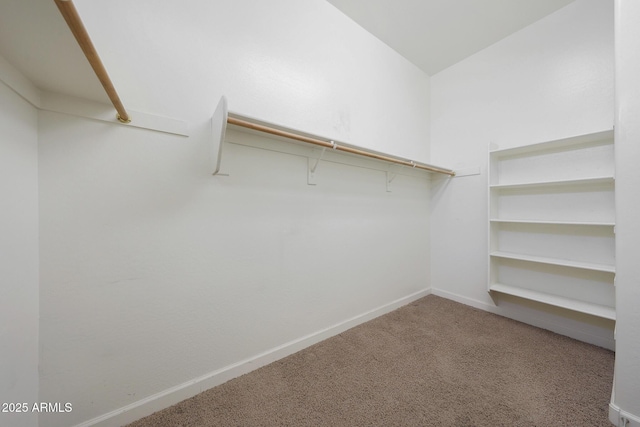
{"type": "Point", "coordinates": [218, 131]}
{"type": "Point", "coordinates": [312, 165]}
{"type": "Point", "coordinates": [390, 177]}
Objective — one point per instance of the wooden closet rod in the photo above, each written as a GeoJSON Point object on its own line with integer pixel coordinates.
{"type": "Point", "coordinates": [70, 14]}
{"type": "Point", "coordinates": [334, 146]}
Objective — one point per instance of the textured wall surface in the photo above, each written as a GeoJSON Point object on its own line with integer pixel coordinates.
{"type": "Point", "coordinates": [154, 272]}
{"type": "Point", "coordinates": [301, 64]}
{"type": "Point", "coordinates": [18, 256]}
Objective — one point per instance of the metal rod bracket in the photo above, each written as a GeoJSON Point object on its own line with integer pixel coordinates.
{"type": "Point", "coordinates": [121, 120]}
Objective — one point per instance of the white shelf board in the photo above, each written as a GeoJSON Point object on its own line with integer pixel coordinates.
{"type": "Point", "coordinates": [584, 181]}
{"type": "Point", "coordinates": [556, 261]}
{"type": "Point", "coordinates": [533, 221]}
{"type": "Point", "coordinates": [568, 303]}
{"type": "Point", "coordinates": [603, 138]}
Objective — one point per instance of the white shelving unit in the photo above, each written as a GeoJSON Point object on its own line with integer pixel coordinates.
{"type": "Point", "coordinates": [552, 223]}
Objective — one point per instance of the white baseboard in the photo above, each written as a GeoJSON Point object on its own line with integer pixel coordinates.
{"type": "Point", "coordinates": [169, 397]}
{"type": "Point", "coordinates": [621, 418]}
{"type": "Point", "coordinates": [529, 317]}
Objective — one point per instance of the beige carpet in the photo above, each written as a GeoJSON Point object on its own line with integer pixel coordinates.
{"type": "Point", "coordinates": [431, 363]}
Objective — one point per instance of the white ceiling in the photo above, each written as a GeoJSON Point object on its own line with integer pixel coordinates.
{"type": "Point", "coordinates": [434, 34]}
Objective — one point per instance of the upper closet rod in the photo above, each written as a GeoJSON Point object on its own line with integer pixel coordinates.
{"type": "Point", "coordinates": [333, 145]}
{"type": "Point", "coordinates": [70, 14]}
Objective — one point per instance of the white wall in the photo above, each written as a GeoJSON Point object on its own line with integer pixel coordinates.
{"type": "Point", "coordinates": [18, 256]}
{"type": "Point", "coordinates": [153, 272]}
{"type": "Point", "coordinates": [627, 374]}
{"type": "Point", "coordinates": [551, 80]}
{"type": "Point", "coordinates": [301, 64]}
